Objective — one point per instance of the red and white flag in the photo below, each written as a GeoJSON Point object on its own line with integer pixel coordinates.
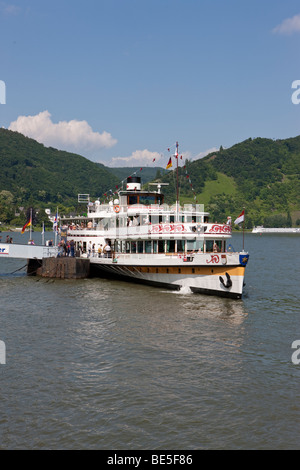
{"type": "Point", "coordinates": [240, 218]}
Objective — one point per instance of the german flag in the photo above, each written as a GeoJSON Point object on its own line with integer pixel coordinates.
{"type": "Point", "coordinates": [169, 164]}
{"type": "Point", "coordinates": [26, 225]}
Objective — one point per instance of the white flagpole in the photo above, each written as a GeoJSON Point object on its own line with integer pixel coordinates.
{"type": "Point", "coordinates": [244, 230]}
{"type": "Point", "coordinates": [56, 227]}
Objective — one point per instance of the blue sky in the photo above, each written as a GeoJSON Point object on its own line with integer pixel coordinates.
{"type": "Point", "coordinates": [120, 81]}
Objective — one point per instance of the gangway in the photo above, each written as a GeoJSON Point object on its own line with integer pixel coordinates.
{"type": "Point", "coordinates": [14, 250]}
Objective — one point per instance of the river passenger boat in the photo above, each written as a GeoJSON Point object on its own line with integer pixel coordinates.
{"type": "Point", "coordinates": [137, 237]}
{"type": "Point", "coordinates": [261, 229]}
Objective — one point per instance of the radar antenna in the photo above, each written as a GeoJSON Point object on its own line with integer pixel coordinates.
{"type": "Point", "coordinates": [159, 185]}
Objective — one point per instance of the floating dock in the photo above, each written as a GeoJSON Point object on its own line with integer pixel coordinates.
{"type": "Point", "coordinates": [43, 261]}
{"type": "Point", "coordinates": [64, 268]}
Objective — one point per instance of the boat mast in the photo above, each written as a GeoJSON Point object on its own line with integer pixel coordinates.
{"type": "Point", "coordinates": [177, 189]}
{"type": "Point", "coordinates": [30, 226]}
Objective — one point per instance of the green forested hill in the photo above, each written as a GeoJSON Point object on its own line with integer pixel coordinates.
{"type": "Point", "coordinates": [32, 174]}
{"type": "Point", "coordinates": [259, 174]}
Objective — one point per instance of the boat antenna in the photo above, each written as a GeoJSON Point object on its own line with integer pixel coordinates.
{"type": "Point", "coordinates": [159, 185]}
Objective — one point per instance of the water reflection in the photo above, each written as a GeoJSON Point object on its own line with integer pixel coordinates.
{"type": "Point", "coordinates": [88, 359]}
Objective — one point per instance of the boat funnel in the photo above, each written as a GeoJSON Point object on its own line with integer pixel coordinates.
{"type": "Point", "coordinates": [133, 183]}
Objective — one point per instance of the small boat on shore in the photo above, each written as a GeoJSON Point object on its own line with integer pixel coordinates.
{"type": "Point", "coordinates": [261, 229]}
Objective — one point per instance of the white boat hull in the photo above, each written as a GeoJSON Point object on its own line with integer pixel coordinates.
{"type": "Point", "coordinates": [221, 280]}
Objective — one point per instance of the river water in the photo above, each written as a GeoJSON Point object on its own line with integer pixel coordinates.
{"type": "Point", "coordinates": [98, 364]}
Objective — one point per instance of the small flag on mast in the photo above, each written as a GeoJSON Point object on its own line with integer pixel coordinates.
{"type": "Point", "coordinates": [240, 218]}
{"type": "Point", "coordinates": [169, 164]}
{"type": "Point", "coordinates": [26, 225]}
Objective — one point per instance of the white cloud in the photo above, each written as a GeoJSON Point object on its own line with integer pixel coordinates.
{"type": "Point", "coordinates": [289, 26]}
{"type": "Point", "coordinates": [137, 158]}
{"type": "Point", "coordinates": [145, 158]}
{"type": "Point", "coordinates": [9, 9]}
{"type": "Point", "coordinates": [206, 152]}
{"type": "Point", "coordinates": [74, 136]}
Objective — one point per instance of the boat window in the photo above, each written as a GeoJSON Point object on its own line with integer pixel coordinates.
{"type": "Point", "coordinates": [217, 245]}
{"type": "Point", "coordinates": [123, 221]}
{"type": "Point", "coordinates": [147, 199]}
{"type": "Point", "coordinates": [100, 225]}
{"type": "Point", "coordinates": [127, 247]}
{"type": "Point", "coordinates": [180, 245]}
{"type": "Point", "coordinates": [154, 219]}
{"type": "Point", "coordinates": [136, 221]}
{"type": "Point", "coordinates": [191, 245]}
{"type": "Point", "coordinates": [161, 246]}
{"type": "Point", "coordinates": [106, 223]}
{"type": "Point", "coordinates": [146, 220]}
{"type": "Point", "coordinates": [133, 199]}
{"type": "Point", "coordinates": [148, 247]}
{"type": "Point", "coordinates": [170, 246]}
{"type": "Point", "coordinates": [133, 247]}
{"type": "Point", "coordinates": [140, 247]}
{"type": "Point", "coordinates": [154, 246]}
{"type": "Point", "coordinates": [209, 246]}
{"type": "Point", "coordinates": [199, 246]}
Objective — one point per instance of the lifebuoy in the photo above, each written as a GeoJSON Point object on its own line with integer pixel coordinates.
{"type": "Point", "coordinates": [117, 209]}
